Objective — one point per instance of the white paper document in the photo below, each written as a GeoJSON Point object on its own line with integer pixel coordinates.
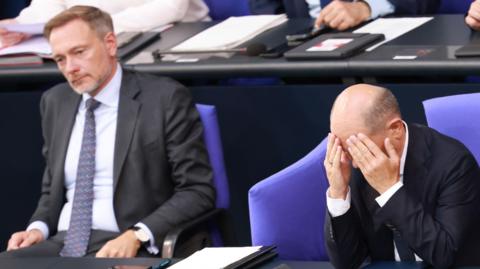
{"type": "Point", "coordinates": [214, 258]}
{"type": "Point", "coordinates": [37, 45]}
{"type": "Point", "coordinates": [31, 28]}
{"type": "Point", "coordinates": [391, 27]}
{"type": "Point", "coordinates": [231, 32]}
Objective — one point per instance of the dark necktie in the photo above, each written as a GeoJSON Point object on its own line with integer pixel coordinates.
{"type": "Point", "coordinates": [405, 253]}
{"type": "Point", "coordinates": [78, 234]}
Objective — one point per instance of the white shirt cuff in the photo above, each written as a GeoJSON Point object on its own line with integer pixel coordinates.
{"type": "Point", "coordinates": [383, 199]}
{"type": "Point", "coordinates": [338, 207]}
{"type": "Point", "coordinates": [40, 225]}
{"type": "Point", "coordinates": [152, 249]}
{"type": "Point", "coordinates": [380, 8]}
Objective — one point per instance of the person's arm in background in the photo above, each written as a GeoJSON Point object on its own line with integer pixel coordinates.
{"type": "Point", "coordinates": [38, 11]}
{"type": "Point", "coordinates": [473, 16]}
{"type": "Point", "coordinates": [342, 15]}
{"type": "Point", "coordinates": [156, 13]}
{"type": "Point", "coordinates": [258, 7]}
{"type": "Point", "coordinates": [8, 38]}
{"type": "Point", "coordinates": [415, 7]}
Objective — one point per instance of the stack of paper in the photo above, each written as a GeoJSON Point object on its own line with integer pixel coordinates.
{"type": "Point", "coordinates": [226, 258]}
{"type": "Point", "coordinates": [392, 27]}
{"type": "Point", "coordinates": [36, 45]}
{"type": "Point", "coordinates": [231, 32]}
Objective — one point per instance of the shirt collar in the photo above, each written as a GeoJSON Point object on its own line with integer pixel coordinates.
{"type": "Point", "coordinates": [404, 153]}
{"type": "Point", "coordinates": [110, 94]}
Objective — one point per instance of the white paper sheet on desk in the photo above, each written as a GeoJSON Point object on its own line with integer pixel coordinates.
{"type": "Point", "coordinates": [231, 32]}
{"type": "Point", "coordinates": [391, 27]}
{"type": "Point", "coordinates": [214, 258]}
{"type": "Point", "coordinates": [37, 45]}
{"type": "Point", "coordinates": [29, 28]}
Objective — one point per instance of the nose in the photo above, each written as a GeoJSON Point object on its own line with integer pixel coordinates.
{"type": "Point", "coordinates": [71, 66]}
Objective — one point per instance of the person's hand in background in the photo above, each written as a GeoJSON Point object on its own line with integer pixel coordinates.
{"type": "Point", "coordinates": [8, 38]}
{"type": "Point", "coordinates": [341, 15]}
{"type": "Point", "coordinates": [24, 239]}
{"type": "Point", "coordinates": [473, 16]}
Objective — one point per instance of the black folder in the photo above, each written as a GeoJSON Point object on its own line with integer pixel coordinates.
{"type": "Point", "coordinates": [333, 46]}
{"type": "Point", "coordinates": [472, 49]}
{"type": "Point", "coordinates": [253, 260]}
{"type": "Point", "coordinates": [137, 44]}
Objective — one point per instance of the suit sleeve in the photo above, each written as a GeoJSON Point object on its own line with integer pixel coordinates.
{"type": "Point", "coordinates": [415, 7]}
{"type": "Point", "coordinates": [149, 15]}
{"type": "Point", "coordinates": [345, 244]}
{"type": "Point", "coordinates": [191, 173]}
{"type": "Point", "coordinates": [43, 207]}
{"type": "Point", "coordinates": [436, 236]}
{"type": "Point", "coordinates": [41, 11]}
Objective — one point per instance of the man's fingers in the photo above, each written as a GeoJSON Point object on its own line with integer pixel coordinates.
{"type": "Point", "coordinates": [319, 21]}
{"type": "Point", "coordinates": [473, 23]}
{"type": "Point", "coordinates": [361, 148]}
{"type": "Point", "coordinates": [392, 153]}
{"type": "Point", "coordinates": [336, 159]}
{"type": "Point", "coordinates": [336, 21]}
{"type": "Point", "coordinates": [102, 253]}
{"type": "Point", "coordinates": [14, 243]}
{"type": "Point", "coordinates": [372, 147]}
{"type": "Point", "coordinates": [331, 140]}
{"type": "Point", "coordinates": [30, 240]}
{"type": "Point", "coordinates": [356, 154]}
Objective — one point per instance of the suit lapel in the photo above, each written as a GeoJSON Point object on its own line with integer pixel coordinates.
{"type": "Point", "coordinates": [66, 119]}
{"type": "Point", "coordinates": [128, 109]}
{"type": "Point", "coordinates": [382, 245]}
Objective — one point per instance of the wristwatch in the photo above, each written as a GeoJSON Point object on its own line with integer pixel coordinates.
{"type": "Point", "coordinates": [141, 235]}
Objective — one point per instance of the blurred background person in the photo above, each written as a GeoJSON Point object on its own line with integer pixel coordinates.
{"type": "Point", "coordinates": [128, 15]}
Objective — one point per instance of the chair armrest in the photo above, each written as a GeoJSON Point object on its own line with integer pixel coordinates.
{"type": "Point", "coordinates": [173, 236]}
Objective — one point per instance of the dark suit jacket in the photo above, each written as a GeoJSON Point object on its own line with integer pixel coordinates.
{"type": "Point", "coordinates": [299, 8]}
{"type": "Point", "coordinates": [162, 175]}
{"type": "Point", "coordinates": [436, 210]}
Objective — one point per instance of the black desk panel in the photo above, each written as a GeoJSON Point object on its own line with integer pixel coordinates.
{"type": "Point", "coordinates": [435, 42]}
{"type": "Point", "coordinates": [441, 36]}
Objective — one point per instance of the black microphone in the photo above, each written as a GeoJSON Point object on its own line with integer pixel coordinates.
{"type": "Point", "coordinates": [253, 49]}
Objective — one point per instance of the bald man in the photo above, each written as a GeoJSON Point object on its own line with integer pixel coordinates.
{"type": "Point", "coordinates": [397, 191]}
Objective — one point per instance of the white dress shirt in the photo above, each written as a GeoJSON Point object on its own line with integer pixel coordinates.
{"type": "Point", "coordinates": [103, 214]}
{"type": "Point", "coordinates": [127, 15]}
{"type": "Point", "coordinates": [377, 8]}
{"type": "Point", "coordinates": [338, 207]}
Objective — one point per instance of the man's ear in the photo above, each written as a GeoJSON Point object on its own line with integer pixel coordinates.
{"type": "Point", "coordinates": [110, 41]}
{"type": "Point", "coordinates": [395, 128]}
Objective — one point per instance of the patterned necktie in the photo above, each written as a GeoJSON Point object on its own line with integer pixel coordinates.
{"type": "Point", "coordinates": [78, 233]}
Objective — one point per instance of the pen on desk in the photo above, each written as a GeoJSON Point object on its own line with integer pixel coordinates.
{"type": "Point", "coordinates": [162, 264]}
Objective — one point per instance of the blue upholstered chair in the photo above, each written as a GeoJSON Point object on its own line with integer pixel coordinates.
{"type": "Point", "coordinates": [454, 6]}
{"type": "Point", "coordinates": [215, 221]}
{"type": "Point", "coordinates": [288, 209]}
{"type": "Point", "coordinates": [213, 142]}
{"type": "Point", "coordinates": [457, 116]}
{"type": "Point", "coordinates": [222, 9]}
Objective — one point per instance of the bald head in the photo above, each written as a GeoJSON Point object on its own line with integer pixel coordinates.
{"type": "Point", "coordinates": [368, 105]}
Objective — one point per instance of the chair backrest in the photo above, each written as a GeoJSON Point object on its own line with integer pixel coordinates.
{"type": "Point", "coordinates": [288, 209]}
{"type": "Point", "coordinates": [457, 116]}
{"type": "Point", "coordinates": [213, 142]}
{"type": "Point", "coordinates": [454, 6]}
{"type": "Point", "coordinates": [222, 9]}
